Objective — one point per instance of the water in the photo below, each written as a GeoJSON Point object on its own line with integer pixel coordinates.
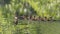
{"type": "Point", "coordinates": [41, 27]}
{"type": "Point", "coordinates": [31, 27]}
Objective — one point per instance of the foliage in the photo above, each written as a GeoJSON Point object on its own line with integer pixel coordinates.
{"type": "Point", "coordinates": [43, 8]}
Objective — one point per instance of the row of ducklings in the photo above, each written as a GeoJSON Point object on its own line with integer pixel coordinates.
{"type": "Point", "coordinates": [36, 18]}
{"type": "Point", "coordinates": [33, 18]}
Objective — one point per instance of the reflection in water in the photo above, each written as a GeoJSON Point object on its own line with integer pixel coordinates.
{"type": "Point", "coordinates": [34, 27]}
{"type": "Point", "coordinates": [43, 27]}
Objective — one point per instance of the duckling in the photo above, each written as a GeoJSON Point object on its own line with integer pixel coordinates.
{"type": "Point", "coordinates": [45, 18]}
{"type": "Point", "coordinates": [42, 19]}
{"type": "Point", "coordinates": [51, 19]}
{"type": "Point", "coordinates": [39, 18]}
{"type": "Point", "coordinates": [21, 17]}
{"type": "Point", "coordinates": [16, 20]}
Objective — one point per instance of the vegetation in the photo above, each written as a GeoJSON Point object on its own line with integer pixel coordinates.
{"type": "Point", "coordinates": [42, 8]}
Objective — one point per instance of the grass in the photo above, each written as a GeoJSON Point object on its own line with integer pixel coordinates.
{"type": "Point", "coordinates": [32, 27]}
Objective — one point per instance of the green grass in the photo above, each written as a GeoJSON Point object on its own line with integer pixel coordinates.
{"type": "Point", "coordinates": [33, 27]}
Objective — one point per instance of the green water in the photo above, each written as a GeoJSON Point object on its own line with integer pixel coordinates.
{"type": "Point", "coordinates": [31, 27]}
